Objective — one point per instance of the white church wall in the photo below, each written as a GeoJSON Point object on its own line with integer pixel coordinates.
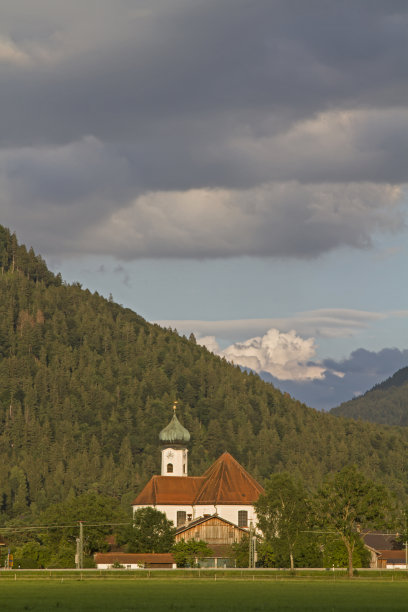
{"type": "Point", "coordinates": [171, 511]}
{"type": "Point", "coordinates": [230, 513]}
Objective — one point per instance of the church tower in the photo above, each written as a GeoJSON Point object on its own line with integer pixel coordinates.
{"type": "Point", "coordinates": [174, 439]}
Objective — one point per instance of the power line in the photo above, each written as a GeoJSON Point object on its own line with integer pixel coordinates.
{"type": "Point", "coordinates": [361, 533]}
{"type": "Point", "coordinates": [39, 527]}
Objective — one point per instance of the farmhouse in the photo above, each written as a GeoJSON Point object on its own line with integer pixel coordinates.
{"type": "Point", "coordinates": [133, 560]}
{"type": "Point", "coordinates": [392, 559]}
{"type": "Point", "coordinates": [225, 490]}
{"type": "Point", "coordinates": [385, 551]}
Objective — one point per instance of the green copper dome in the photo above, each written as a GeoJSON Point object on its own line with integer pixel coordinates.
{"type": "Point", "coordinates": [174, 433]}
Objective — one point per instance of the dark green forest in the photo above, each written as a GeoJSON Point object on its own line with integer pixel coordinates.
{"type": "Point", "coordinates": [385, 403]}
{"type": "Point", "coordinates": [86, 385]}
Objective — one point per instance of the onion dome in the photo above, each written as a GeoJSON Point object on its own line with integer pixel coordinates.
{"type": "Point", "coordinates": [174, 433]}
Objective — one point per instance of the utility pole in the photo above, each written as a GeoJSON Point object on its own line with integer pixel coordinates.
{"type": "Point", "coordinates": [252, 545]}
{"type": "Point", "coordinates": [79, 557]}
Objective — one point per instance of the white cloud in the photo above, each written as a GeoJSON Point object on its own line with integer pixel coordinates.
{"type": "Point", "coordinates": [210, 343]}
{"type": "Point", "coordinates": [286, 356]}
{"type": "Point", "coordinates": [283, 355]}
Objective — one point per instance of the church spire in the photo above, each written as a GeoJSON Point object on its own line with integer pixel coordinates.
{"type": "Point", "coordinates": [174, 438]}
{"type": "Point", "coordinates": [174, 433]}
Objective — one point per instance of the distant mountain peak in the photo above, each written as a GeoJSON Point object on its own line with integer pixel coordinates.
{"type": "Point", "coordinates": [385, 403]}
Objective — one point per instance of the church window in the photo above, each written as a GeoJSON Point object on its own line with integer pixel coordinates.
{"type": "Point", "coordinates": [242, 518]}
{"type": "Point", "coordinates": [181, 518]}
{"type": "Point", "coordinates": [169, 468]}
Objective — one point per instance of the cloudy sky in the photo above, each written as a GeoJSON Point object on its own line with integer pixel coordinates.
{"type": "Point", "coordinates": [235, 168]}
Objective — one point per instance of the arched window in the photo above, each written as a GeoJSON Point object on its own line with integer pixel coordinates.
{"type": "Point", "coordinates": [242, 518]}
{"type": "Point", "coordinates": [169, 468]}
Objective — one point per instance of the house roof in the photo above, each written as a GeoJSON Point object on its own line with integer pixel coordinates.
{"type": "Point", "coordinates": [225, 482]}
{"type": "Point", "coordinates": [133, 557]}
{"type": "Point", "coordinates": [379, 541]}
{"type": "Point", "coordinates": [180, 490]}
{"type": "Point", "coordinates": [393, 555]}
{"type": "Point", "coordinates": [204, 519]}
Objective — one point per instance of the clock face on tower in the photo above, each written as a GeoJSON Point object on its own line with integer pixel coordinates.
{"type": "Point", "coordinates": [170, 455]}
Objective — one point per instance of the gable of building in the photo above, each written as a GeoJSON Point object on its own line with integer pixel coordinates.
{"type": "Point", "coordinates": [214, 530]}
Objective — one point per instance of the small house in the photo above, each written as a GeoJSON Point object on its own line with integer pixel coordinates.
{"type": "Point", "coordinates": [134, 560]}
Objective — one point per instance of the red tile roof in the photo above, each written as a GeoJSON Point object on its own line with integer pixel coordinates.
{"type": "Point", "coordinates": [179, 490]}
{"type": "Point", "coordinates": [225, 482]}
{"type": "Point", "coordinates": [392, 555]}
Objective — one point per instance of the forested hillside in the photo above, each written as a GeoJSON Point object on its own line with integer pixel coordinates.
{"type": "Point", "coordinates": [86, 385]}
{"type": "Point", "coordinates": [385, 403]}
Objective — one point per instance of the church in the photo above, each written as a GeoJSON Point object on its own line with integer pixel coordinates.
{"type": "Point", "coordinates": [225, 491]}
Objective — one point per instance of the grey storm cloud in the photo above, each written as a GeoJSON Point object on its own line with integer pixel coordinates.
{"type": "Point", "coordinates": [203, 129]}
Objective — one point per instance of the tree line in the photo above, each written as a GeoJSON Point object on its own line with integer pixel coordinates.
{"type": "Point", "coordinates": [296, 528]}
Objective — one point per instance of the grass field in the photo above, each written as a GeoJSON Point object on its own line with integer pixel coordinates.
{"type": "Point", "coordinates": [201, 594]}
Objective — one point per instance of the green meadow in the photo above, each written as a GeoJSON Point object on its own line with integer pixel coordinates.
{"type": "Point", "coordinates": [183, 593]}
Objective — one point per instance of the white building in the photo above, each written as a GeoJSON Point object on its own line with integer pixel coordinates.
{"type": "Point", "coordinates": [225, 489]}
{"type": "Point", "coordinates": [113, 560]}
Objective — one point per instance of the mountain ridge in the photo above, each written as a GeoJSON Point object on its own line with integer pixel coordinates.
{"type": "Point", "coordinates": [86, 386]}
{"type": "Point", "coordinates": [386, 403]}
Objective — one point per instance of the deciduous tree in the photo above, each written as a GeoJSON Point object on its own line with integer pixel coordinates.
{"type": "Point", "coordinates": [348, 503]}
{"type": "Point", "coordinates": [151, 532]}
{"type": "Point", "coordinates": [283, 512]}
{"type": "Point", "coordinates": [187, 553]}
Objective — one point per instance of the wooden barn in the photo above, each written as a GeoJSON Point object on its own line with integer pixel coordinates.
{"type": "Point", "coordinates": [219, 534]}
{"type": "Point", "coordinates": [212, 529]}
